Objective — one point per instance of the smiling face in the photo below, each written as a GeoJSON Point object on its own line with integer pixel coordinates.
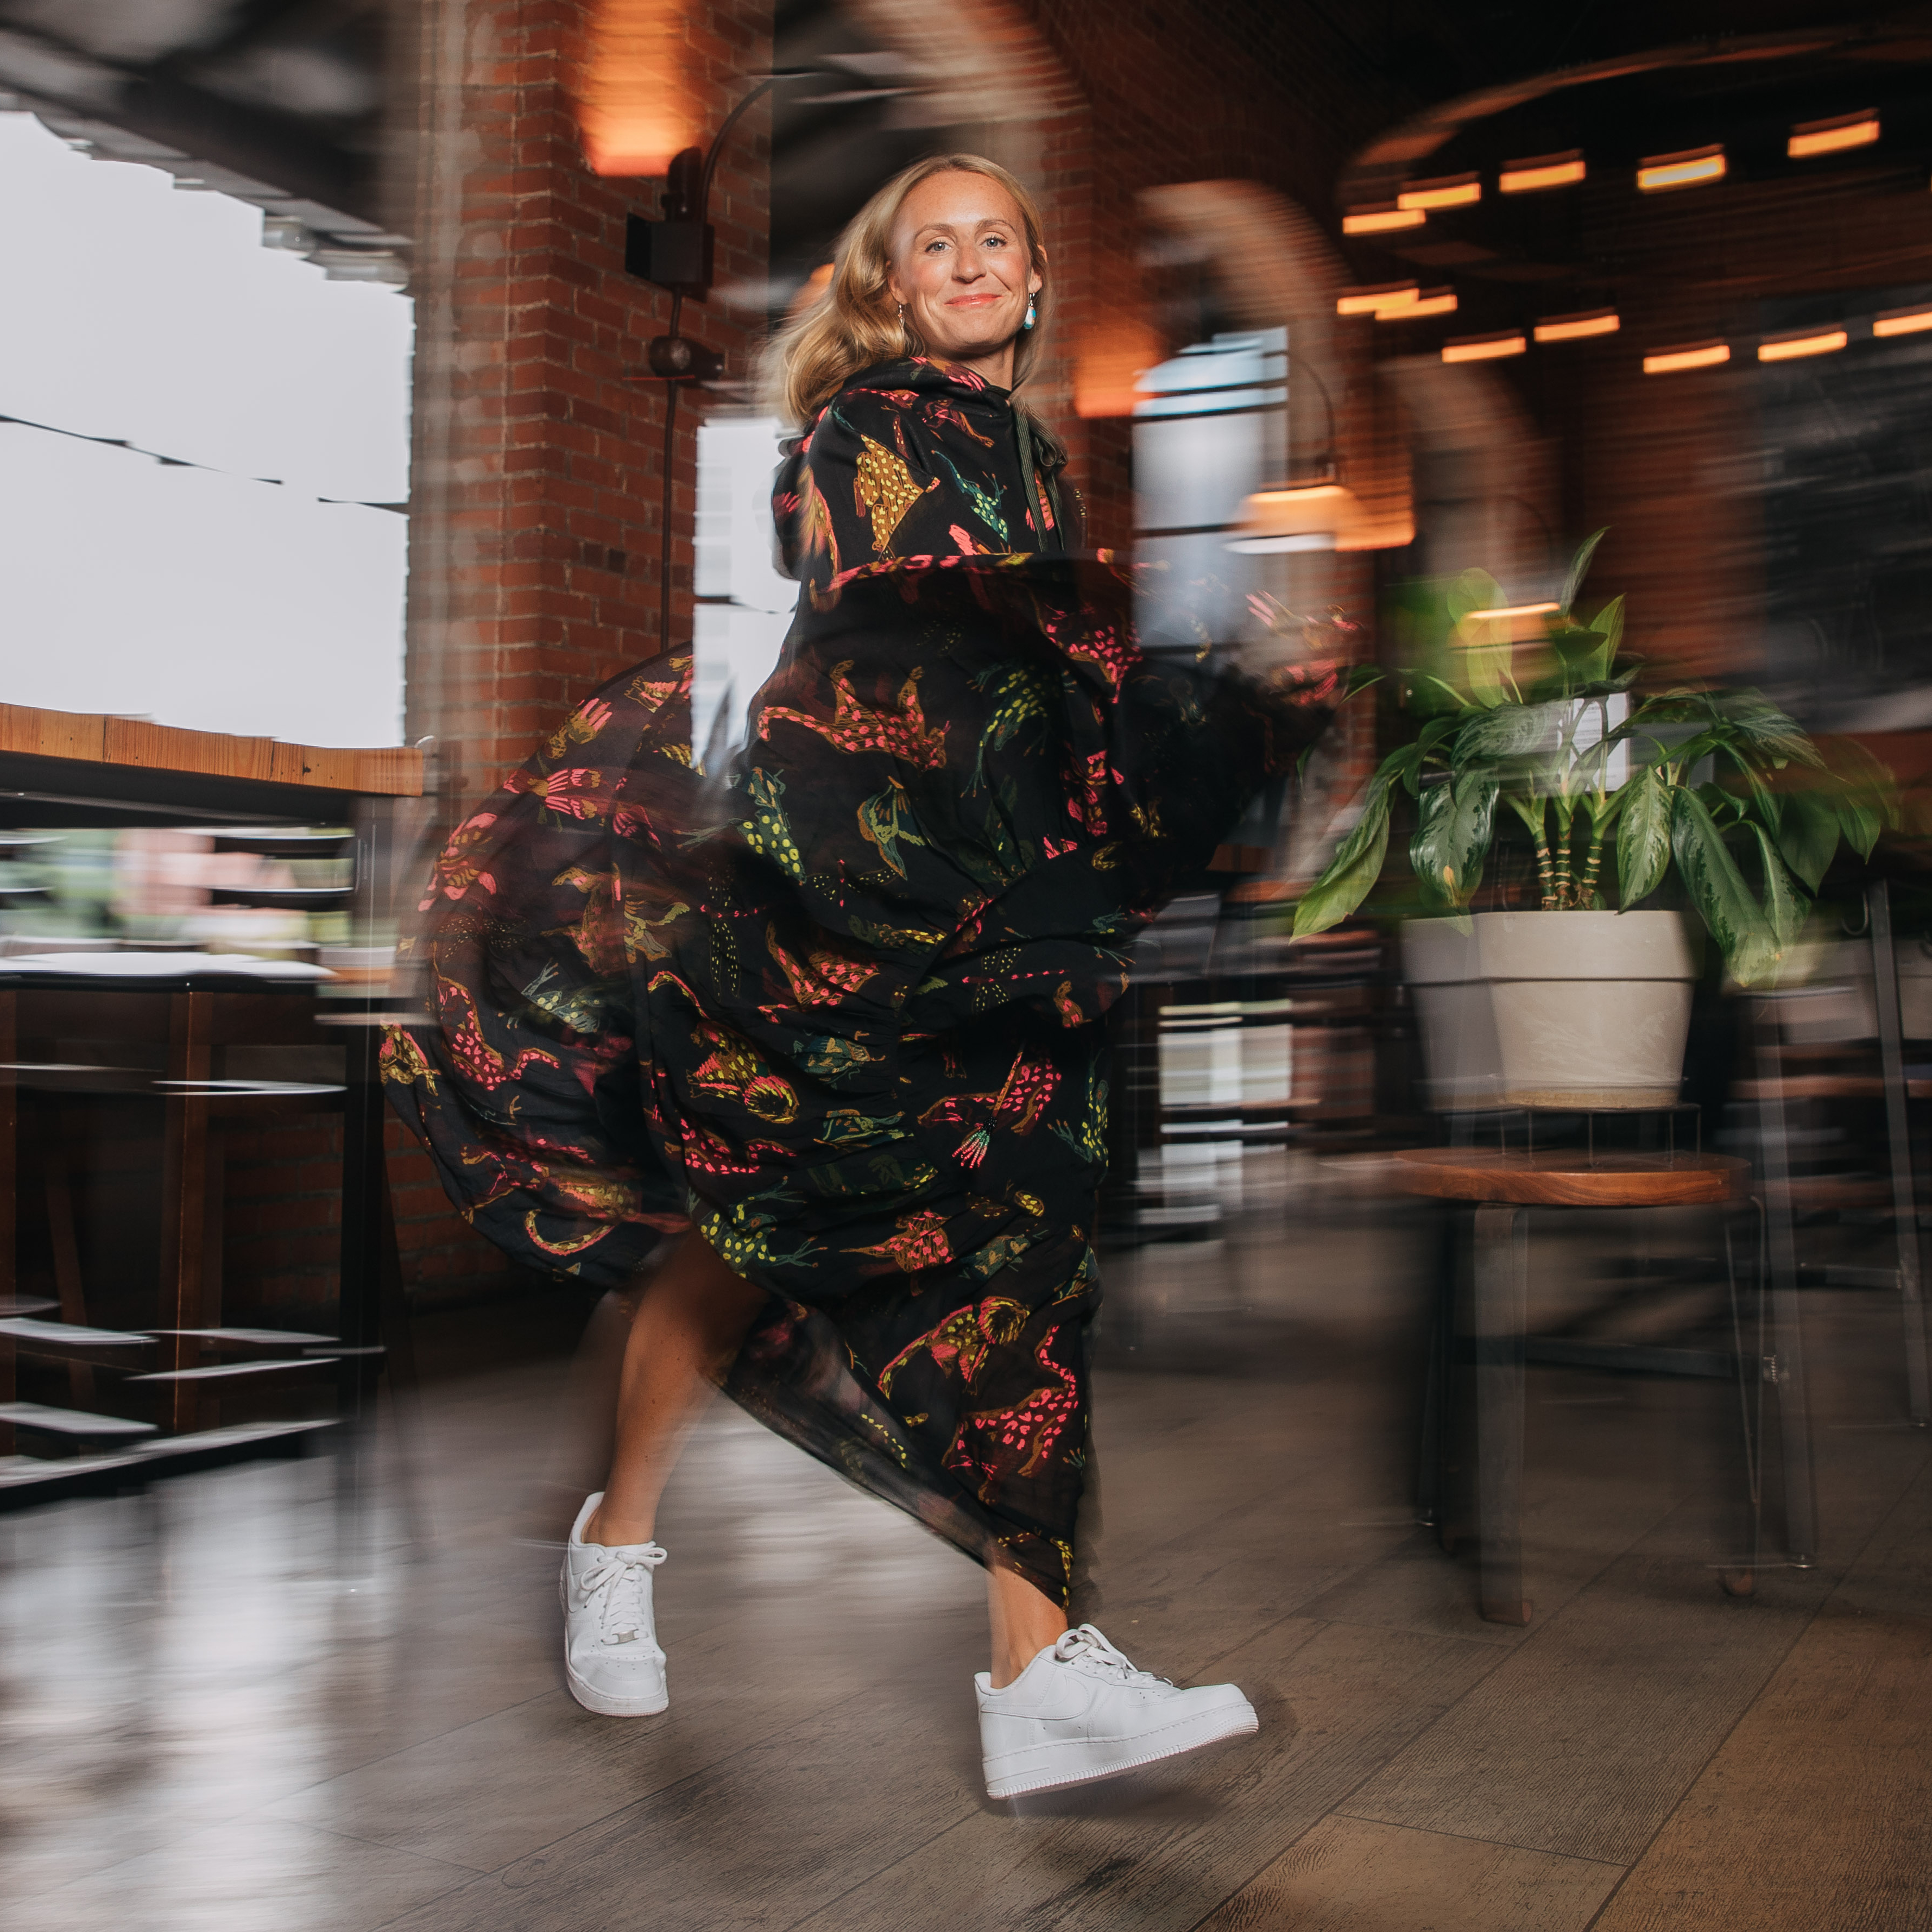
{"type": "Point", "coordinates": [960, 267]}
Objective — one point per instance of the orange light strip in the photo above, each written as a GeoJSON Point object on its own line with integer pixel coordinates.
{"type": "Point", "coordinates": [1574, 328]}
{"type": "Point", "coordinates": [1436, 301]}
{"type": "Point", "coordinates": [1299, 493]}
{"type": "Point", "coordinates": [1379, 221]}
{"type": "Point", "coordinates": [1507, 610]}
{"type": "Point", "coordinates": [1542, 171]}
{"type": "Point", "coordinates": [1373, 301]}
{"type": "Point", "coordinates": [1692, 168]}
{"type": "Point", "coordinates": [1788, 348]}
{"type": "Point", "coordinates": [1450, 191]}
{"type": "Point", "coordinates": [1901, 321]}
{"type": "Point", "coordinates": [1699, 355]}
{"type": "Point", "coordinates": [1830, 137]}
{"type": "Point", "coordinates": [1482, 348]}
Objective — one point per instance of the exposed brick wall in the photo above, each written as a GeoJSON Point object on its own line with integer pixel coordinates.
{"type": "Point", "coordinates": [538, 475]}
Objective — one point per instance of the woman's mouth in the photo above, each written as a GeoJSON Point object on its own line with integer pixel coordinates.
{"type": "Point", "coordinates": [973, 301]}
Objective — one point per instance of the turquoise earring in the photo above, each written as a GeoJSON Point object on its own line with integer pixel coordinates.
{"type": "Point", "coordinates": [1028, 323]}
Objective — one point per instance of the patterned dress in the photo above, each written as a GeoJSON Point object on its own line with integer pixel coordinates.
{"type": "Point", "coordinates": [837, 1006]}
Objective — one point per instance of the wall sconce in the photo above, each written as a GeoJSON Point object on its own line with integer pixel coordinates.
{"type": "Point", "coordinates": [1312, 511]}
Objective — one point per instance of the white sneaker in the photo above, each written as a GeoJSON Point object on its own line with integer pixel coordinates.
{"type": "Point", "coordinates": [1080, 1710]}
{"type": "Point", "coordinates": [611, 1652]}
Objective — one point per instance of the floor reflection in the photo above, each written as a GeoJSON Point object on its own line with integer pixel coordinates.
{"type": "Point", "coordinates": [237, 1700]}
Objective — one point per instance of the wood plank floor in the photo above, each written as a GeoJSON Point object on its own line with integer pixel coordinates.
{"type": "Point", "coordinates": [228, 1703]}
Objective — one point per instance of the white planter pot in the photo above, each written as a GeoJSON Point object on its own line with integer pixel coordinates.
{"type": "Point", "coordinates": [1552, 1009]}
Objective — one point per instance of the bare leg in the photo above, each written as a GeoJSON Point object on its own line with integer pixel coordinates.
{"type": "Point", "coordinates": [691, 1319]}
{"type": "Point", "coordinates": [1025, 1622]}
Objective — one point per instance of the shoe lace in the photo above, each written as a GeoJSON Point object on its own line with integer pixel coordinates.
{"type": "Point", "coordinates": [1085, 1644]}
{"type": "Point", "coordinates": [616, 1581]}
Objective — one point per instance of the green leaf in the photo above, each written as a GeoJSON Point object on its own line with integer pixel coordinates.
{"type": "Point", "coordinates": [1728, 906]}
{"type": "Point", "coordinates": [1458, 821]}
{"type": "Point", "coordinates": [1786, 908]}
{"type": "Point", "coordinates": [1861, 825]}
{"type": "Point", "coordinates": [1871, 783]}
{"type": "Point", "coordinates": [1504, 731]}
{"type": "Point", "coordinates": [1447, 690]}
{"type": "Point", "coordinates": [1609, 624]}
{"type": "Point", "coordinates": [1769, 731]}
{"type": "Point", "coordinates": [1579, 651]}
{"type": "Point", "coordinates": [1348, 878]}
{"type": "Point", "coordinates": [1474, 590]}
{"type": "Point", "coordinates": [1486, 665]}
{"type": "Point", "coordinates": [1579, 567]}
{"type": "Point", "coordinates": [1807, 834]}
{"type": "Point", "coordinates": [1343, 886]}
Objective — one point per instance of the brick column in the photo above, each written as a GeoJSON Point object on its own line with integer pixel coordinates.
{"type": "Point", "coordinates": [537, 493]}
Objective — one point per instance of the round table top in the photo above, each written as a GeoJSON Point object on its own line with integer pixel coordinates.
{"type": "Point", "coordinates": [1574, 1178]}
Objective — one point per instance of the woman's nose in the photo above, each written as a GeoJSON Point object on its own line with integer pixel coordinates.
{"type": "Point", "coordinates": [967, 266]}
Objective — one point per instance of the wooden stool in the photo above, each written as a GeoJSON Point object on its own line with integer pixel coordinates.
{"type": "Point", "coordinates": [1499, 1184]}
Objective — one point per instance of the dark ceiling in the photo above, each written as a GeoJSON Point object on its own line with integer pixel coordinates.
{"type": "Point", "coordinates": [281, 102]}
{"type": "Point", "coordinates": [285, 103]}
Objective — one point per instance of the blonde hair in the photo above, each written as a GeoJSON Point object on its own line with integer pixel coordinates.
{"type": "Point", "coordinates": [853, 326]}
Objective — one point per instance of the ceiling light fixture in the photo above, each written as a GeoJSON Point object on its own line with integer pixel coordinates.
{"type": "Point", "coordinates": [1574, 328]}
{"type": "Point", "coordinates": [1542, 171]}
{"type": "Point", "coordinates": [1380, 219]}
{"type": "Point", "coordinates": [1693, 355]}
{"type": "Point", "coordinates": [1788, 348]}
{"type": "Point", "coordinates": [1448, 191]}
{"type": "Point", "coordinates": [1831, 137]}
{"type": "Point", "coordinates": [1691, 168]}
{"type": "Point", "coordinates": [1901, 321]}
{"type": "Point", "coordinates": [1431, 302]}
{"type": "Point", "coordinates": [1373, 301]}
{"type": "Point", "coordinates": [1483, 348]}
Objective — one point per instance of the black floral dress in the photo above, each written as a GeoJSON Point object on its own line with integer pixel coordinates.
{"type": "Point", "coordinates": [836, 1006]}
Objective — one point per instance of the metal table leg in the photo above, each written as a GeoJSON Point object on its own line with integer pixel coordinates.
{"type": "Point", "coordinates": [1430, 1501]}
{"type": "Point", "coordinates": [1501, 1315]}
{"type": "Point", "coordinates": [1904, 1196]}
{"type": "Point", "coordinates": [1785, 1368]}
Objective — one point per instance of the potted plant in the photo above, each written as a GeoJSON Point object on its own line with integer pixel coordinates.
{"type": "Point", "coordinates": [1619, 794]}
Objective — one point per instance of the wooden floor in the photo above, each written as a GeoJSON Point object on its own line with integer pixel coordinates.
{"type": "Point", "coordinates": [235, 1703]}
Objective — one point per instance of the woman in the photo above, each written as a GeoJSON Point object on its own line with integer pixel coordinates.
{"type": "Point", "coordinates": [826, 1024]}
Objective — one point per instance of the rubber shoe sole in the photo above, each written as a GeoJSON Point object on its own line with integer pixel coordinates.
{"type": "Point", "coordinates": [608, 1706]}
{"type": "Point", "coordinates": [1042, 1767]}
{"type": "Point", "coordinates": [601, 1702]}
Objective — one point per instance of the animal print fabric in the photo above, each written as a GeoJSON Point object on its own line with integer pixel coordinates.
{"type": "Point", "coordinates": [837, 1006]}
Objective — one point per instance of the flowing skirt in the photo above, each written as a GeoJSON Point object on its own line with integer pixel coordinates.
{"type": "Point", "coordinates": [837, 1007]}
